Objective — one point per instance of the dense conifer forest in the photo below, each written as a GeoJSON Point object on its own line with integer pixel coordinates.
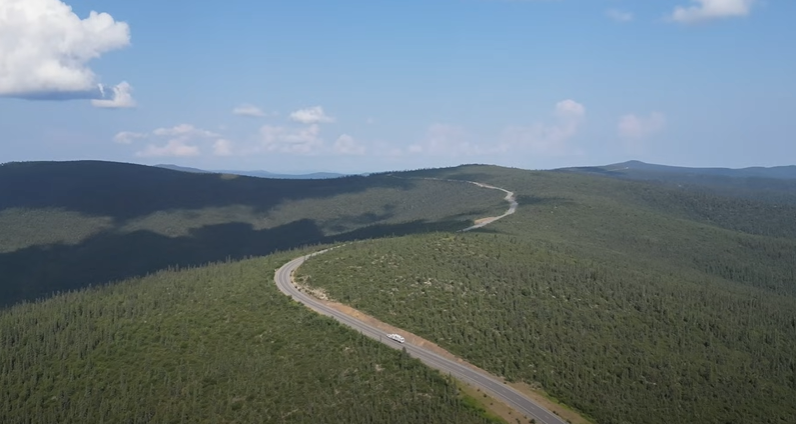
{"type": "Point", "coordinates": [633, 302]}
{"type": "Point", "coordinates": [206, 345]}
{"type": "Point", "coordinates": [617, 342]}
{"type": "Point", "coordinates": [629, 301]}
{"type": "Point", "coordinates": [66, 225]}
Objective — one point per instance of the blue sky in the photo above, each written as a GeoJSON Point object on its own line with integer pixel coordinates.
{"type": "Point", "coordinates": [358, 86]}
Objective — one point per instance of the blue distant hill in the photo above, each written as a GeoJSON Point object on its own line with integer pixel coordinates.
{"type": "Point", "coordinates": [776, 184]}
{"type": "Point", "coordinates": [259, 174]}
{"type": "Point", "coordinates": [639, 170]}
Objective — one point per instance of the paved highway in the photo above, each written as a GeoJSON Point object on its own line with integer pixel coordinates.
{"type": "Point", "coordinates": [487, 383]}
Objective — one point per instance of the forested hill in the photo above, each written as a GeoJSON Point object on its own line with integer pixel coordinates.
{"type": "Point", "coordinates": [773, 185]}
{"type": "Point", "coordinates": [261, 174]}
{"type": "Point", "coordinates": [127, 190]}
{"type": "Point", "coordinates": [630, 301]}
{"type": "Point", "coordinates": [66, 225]}
{"type": "Point", "coordinates": [638, 169]}
{"type": "Point", "coordinates": [215, 344]}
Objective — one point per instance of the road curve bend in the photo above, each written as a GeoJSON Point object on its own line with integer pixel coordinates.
{"type": "Point", "coordinates": [486, 382]}
{"type": "Point", "coordinates": [510, 197]}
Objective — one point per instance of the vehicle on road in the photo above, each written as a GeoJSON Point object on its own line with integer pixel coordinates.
{"type": "Point", "coordinates": [397, 338]}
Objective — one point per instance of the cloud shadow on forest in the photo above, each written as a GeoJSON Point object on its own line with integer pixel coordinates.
{"type": "Point", "coordinates": [40, 271]}
{"type": "Point", "coordinates": [128, 191]}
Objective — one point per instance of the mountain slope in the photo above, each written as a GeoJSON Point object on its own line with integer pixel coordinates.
{"type": "Point", "coordinates": [259, 174]}
{"type": "Point", "coordinates": [638, 169]}
{"type": "Point", "coordinates": [72, 224]}
{"type": "Point", "coordinates": [634, 302]}
{"type": "Point", "coordinates": [266, 174]}
{"type": "Point", "coordinates": [773, 185]}
{"type": "Point", "coordinates": [631, 301]}
{"type": "Point", "coordinates": [183, 169]}
{"type": "Point", "coordinates": [207, 345]}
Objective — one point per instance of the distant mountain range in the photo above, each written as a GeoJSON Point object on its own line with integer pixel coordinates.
{"type": "Point", "coordinates": [645, 171]}
{"type": "Point", "coordinates": [259, 174]}
{"type": "Point", "coordinates": [773, 185]}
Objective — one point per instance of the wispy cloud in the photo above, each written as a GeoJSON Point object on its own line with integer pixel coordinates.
{"type": "Point", "coordinates": [547, 138]}
{"type": "Point", "coordinates": [620, 15]}
{"type": "Point", "coordinates": [311, 115]}
{"type": "Point", "coordinates": [127, 137]}
{"type": "Point", "coordinates": [222, 147]}
{"type": "Point", "coordinates": [249, 110]}
{"type": "Point", "coordinates": [121, 98]}
{"type": "Point", "coordinates": [544, 138]}
{"type": "Point", "coordinates": [184, 130]}
{"type": "Point", "coordinates": [706, 10]}
{"type": "Point", "coordinates": [347, 145]}
{"type": "Point", "coordinates": [636, 127]}
{"type": "Point", "coordinates": [446, 140]}
{"type": "Point", "coordinates": [279, 139]}
{"type": "Point", "coordinates": [180, 140]}
{"type": "Point", "coordinates": [175, 148]}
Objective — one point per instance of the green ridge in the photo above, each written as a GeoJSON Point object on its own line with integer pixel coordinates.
{"type": "Point", "coordinates": [207, 345]}
{"type": "Point", "coordinates": [629, 302]}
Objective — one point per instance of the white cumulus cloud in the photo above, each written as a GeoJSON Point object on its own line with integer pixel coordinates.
{"type": "Point", "coordinates": [311, 115]}
{"type": "Point", "coordinates": [249, 110]}
{"type": "Point", "coordinates": [45, 49]}
{"type": "Point", "coordinates": [705, 10]}
{"type": "Point", "coordinates": [636, 127]}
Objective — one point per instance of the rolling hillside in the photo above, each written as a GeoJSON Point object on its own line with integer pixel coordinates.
{"type": "Point", "coordinates": [631, 301]}
{"type": "Point", "coordinates": [67, 225]}
{"type": "Point", "coordinates": [260, 174]}
{"type": "Point", "coordinates": [773, 185]}
{"type": "Point", "coordinates": [640, 170]}
{"type": "Point", "coordinates": [214, 344]}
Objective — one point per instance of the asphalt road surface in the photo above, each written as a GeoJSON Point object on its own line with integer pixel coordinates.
{"type": "Point", "coordinates": [487, 383]}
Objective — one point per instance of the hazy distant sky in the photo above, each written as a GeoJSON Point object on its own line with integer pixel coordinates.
{"type": "Point", "coordinates": [356, 86]}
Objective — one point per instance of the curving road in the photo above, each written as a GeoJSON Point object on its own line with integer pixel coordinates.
{"type": "Point", "coordinates": [509, 198]}
{"type": "Point", "coordinates": [486, 382]}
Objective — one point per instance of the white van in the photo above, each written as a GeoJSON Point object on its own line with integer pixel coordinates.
{"type": "Point", "coordinates": [396, 337]}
